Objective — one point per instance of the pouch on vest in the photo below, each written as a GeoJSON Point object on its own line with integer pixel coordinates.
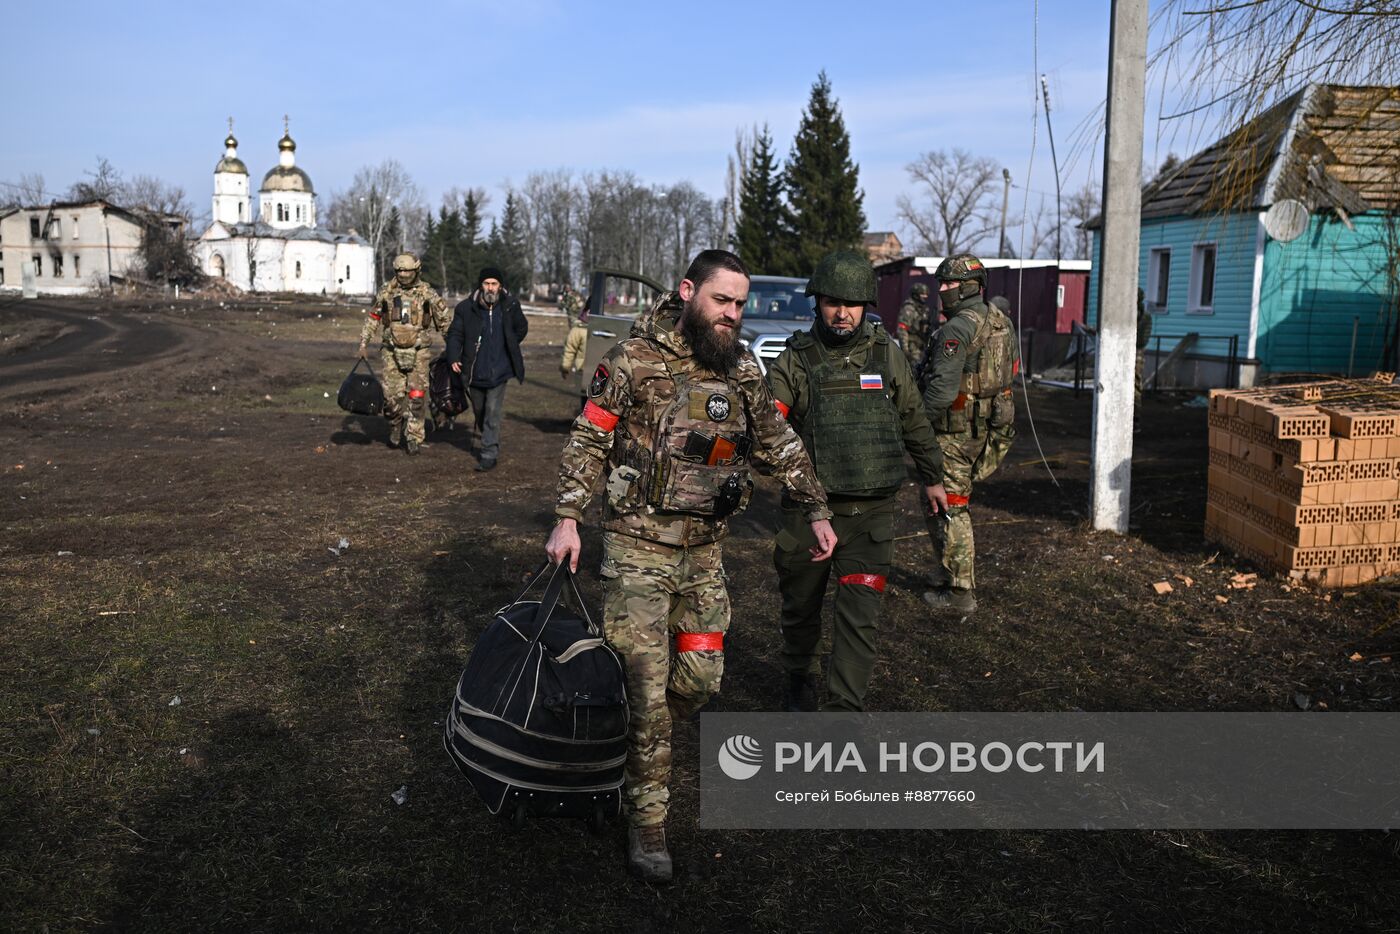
{"type": "Point", "coordinates": [955, 419]}
{"type": "Point", "coordinates": [405, 360]}
{"type": "Point", "coordinates": [1003, 410]}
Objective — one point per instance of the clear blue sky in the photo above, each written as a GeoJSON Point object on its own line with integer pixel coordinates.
{"type": "Point", "coordinates": [479, 93]}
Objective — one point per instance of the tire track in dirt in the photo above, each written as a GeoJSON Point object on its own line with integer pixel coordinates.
{"type": "Point", "coordinates": [90, 351]}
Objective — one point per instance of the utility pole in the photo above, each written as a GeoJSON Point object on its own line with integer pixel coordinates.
{"type": "Point", "coordinates": [1005, 200]}
{"type": "Point", "coordinates": [1111, 471]}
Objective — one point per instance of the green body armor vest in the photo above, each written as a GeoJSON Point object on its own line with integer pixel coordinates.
{"type": "Point", "coordinates": [851, 428]}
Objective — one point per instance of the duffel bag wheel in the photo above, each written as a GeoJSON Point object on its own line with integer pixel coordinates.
{"type": "Point", "coordinates": [517, 816]}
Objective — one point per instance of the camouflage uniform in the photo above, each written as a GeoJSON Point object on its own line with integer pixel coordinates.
{"type": "Point", "coordinates": [860, 492]}
{"type": "Point", "coordinates": [972, 358]}
{"type": "Point", "coordinates": [401, 318]}
{"type": "Point", "coordinates": [651, 409]}
{"type": "Point", "coordinates": [914, 326]}
{"type": "Point", "coordinates": [576, 343]}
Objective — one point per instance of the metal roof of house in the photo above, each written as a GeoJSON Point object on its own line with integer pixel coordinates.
{"type": "Point", "coordinates": [259, 229]}
{"type": "Point", "coordinates": [1328, 146]}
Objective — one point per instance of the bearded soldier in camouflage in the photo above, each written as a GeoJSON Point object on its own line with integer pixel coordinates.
{"type": "Point", "coordinates": [402, 316]}
{"type": "Point", "coordinates": [971, 362]}
{"type": "Point", "coordinates": [914, 323]}
{"type": "Point", "coordinates": [576, 343]}
{"type": "Point", "coordinates": [850, 395]}
{"type": "Point", "coordinates": [675, 415]}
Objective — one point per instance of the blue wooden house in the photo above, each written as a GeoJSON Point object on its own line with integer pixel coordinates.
{"type": "Point", "coordinates": [1233, 297]}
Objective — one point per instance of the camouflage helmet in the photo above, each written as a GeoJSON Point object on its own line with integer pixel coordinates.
{"type": "Point", "coordinates": [967, 271]}
{"type": "Point", "coordinates": [407, 262]}
{"type": "Point", "coordinates": [844, 275]}
{"type": "Point", "coordinates": [960, 268]}
{"type": "Point", "coordinates": [919, 290]}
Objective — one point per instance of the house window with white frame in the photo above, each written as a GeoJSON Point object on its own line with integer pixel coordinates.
{"type": "Point", "coordinates": [38, 264]}
{"type": "Point", "coordinates": [1202, 298]}
{"type": "Point", "coordinates": [1159, 273]}
{"type": "Point", "coordinates": [77, 266]}
{"type": "Point", "coordinates": [75, 227]}
{"type": "Point", "coordinates": [58, 265]}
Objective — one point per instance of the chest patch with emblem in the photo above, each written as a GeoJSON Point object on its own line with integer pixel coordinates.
{"type": "Point", "coordinates": [950, 347]}
{"type": "Point", "coordinates": [717, 407]}
{"type": "Point", "coordinates": [871, 381]}
{"type": "Point", "coordinates": [600, 379]}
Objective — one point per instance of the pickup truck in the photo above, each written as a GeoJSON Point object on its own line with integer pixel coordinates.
{"type": "Point", "coordinates": [775, 309]}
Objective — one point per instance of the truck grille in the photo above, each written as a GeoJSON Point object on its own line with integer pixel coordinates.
{"type": "Point", "coordinates": [766, 350]}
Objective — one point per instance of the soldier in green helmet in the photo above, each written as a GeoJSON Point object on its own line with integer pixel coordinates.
{"type": "Point", "coordinates": [849, 393]}
{"type": "Point", "coordinates": [972, 360]}
{"type": "Point", "coordinates": [404, 313]}
{"type": "Point", "coordinates": [913, 323]}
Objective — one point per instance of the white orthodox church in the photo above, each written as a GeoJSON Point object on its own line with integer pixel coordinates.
{"type": "Point", "coordinates": [282, 250]}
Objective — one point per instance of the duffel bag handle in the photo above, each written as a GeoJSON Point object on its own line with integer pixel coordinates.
{"type": "Point", "coordinates": [365, 361]}
{"type": "Point", "coordinates": [550, 600]}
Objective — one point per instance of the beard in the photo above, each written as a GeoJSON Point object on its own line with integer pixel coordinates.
{"type": "Point", "coordinates": [716, 348]}
{"type": "Point", "coordinates": [489, 298]}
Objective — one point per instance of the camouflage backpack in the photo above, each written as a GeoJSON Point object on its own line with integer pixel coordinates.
{"type": "Point", "coordinates": [996, 353]}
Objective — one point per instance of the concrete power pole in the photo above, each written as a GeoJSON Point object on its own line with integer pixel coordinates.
{"type": "Point", "coordinates": [1005, 200]}
{"type": "Point", "coordinates": [1111, 479]}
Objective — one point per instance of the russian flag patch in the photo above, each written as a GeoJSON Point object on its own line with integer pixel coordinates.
{"type": "Point", "coordinates": [871, 381]}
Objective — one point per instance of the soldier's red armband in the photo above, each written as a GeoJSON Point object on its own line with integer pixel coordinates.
{"type": "Point", "coordinates": [599, 416]}
{"type": "Point", "coordinates": [783, 407]}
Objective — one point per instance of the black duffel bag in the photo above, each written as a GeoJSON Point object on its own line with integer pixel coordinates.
{"type": "Point", "coordinates": [361, 393]}
{"type": "Point", "coordinates": [539, 721]}
{"type": "Point", "coordinates": [445, 390]}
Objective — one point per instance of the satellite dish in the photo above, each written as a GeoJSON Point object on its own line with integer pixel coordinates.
{"type": "Point", "coordinates": [1286, 220]}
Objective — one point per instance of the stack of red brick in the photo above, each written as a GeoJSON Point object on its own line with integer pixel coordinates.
{"type": "Point", "coordinates": [1305, 478]}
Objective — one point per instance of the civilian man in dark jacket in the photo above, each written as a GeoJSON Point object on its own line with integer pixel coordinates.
{"type": "Point", "coordinates": [483, 345]}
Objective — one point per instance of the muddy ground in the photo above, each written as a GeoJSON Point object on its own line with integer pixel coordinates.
{"type": "Point", "coordinates": [173, 477]}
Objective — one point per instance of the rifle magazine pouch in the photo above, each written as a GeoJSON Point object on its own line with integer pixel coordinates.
{"type": "Point", "coordinates": [1003, 410]}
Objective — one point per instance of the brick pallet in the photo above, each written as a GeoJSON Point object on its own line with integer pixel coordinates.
{"type": "Point", "coordinates": [1305, 478]}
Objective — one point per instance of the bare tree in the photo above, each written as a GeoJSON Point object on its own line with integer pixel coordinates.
{"type": "Point", "coordinates": [1081, 207]}
{"type": "Point", "coordinates": [736, 163]}
{"type": "Point", "coordinates": [954, 213]}
{"type": "Point", "coordinates": [382, 203]}
{"type": "Point", "coordinates": [104, 183]}
{"type": "Point", "coordinates": [550, 198]}
{"type": "Point", "coordinates": [29, 191]}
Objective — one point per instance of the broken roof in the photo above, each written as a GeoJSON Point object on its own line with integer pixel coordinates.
{"type": "Point", "coordinates": [1328, 146]}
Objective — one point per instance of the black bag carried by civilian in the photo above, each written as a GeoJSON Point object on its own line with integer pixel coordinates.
{"type": "Point", "coordinates": [361, 393]}
{"type": "Point", "coordinates": [539, 721]}
{"type": "Point", "coordinates": [445, 391]}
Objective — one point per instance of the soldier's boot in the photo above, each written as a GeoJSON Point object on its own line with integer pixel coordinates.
{"type": "Point", "coordinates": [411, 446]}
{"type": "Point", "coordinates": [801, 696]}
{"type": "Point", "coordinates": [647, 855]}
{"type": "Point", "coordinates": [395, 436]}
{"type": "Point", "coordinates": [953, 600]}
{"type": "Point", "coordinates": [939, 578]}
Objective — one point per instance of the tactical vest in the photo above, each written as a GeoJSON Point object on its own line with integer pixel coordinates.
{"type": "Point", "coordinates": [851, 428]}
{"type": "Point", "coordinates": [405, 316]}
{"type": "Point", "coordinates": [993, 355]}
{"type": "Point", "coordinates": [696, 461]}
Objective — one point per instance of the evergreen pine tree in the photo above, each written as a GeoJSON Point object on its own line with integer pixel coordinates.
{"type": "Point", "coordinates": [822, 185]}
{"type": "Point", "coordinates": [513, 255]}
{"type": "Point", "coordinates": [762, 237]}
{"type": "Point", "coordinates": [470, 244]}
